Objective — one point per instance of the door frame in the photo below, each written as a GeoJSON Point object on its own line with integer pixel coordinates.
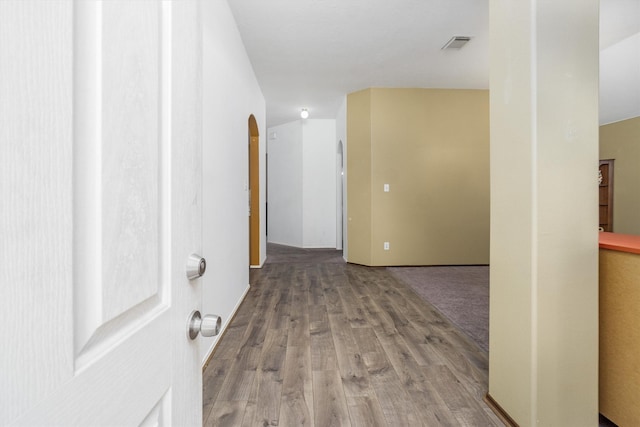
{"type": "Point", "coordinates": [340, 192]}
{"type": "Point", "coordinates": [254, 192]}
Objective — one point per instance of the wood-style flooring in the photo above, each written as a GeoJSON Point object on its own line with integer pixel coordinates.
{"type": "Point", "coordinates": [323, 343]}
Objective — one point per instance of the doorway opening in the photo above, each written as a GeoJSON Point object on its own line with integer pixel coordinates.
{"type": "Point", "coordinates": [340, 197]}
{"type": "Point", "coordinates": [254, 193]}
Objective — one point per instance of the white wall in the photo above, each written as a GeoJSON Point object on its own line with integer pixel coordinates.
{"type": "Point", "coordinates": [285, 184]}
{"type": "Point", "coordinates": [302, 184]}
{"type": "Point", "coordinates": [319, 184]}
{"type": "Point", "coordinates": [620, 81]}
{"type": "Point", "coordinates": [341, 135]}
{"type": "Point", "coordinates": [230, 95]}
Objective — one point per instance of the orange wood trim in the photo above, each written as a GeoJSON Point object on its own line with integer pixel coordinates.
{"type": "Point", "coordinates": [254, 184]}
{"type": "Point", "coordinates": [609, 186]}
{"type": "Point", "coordinates": [620, 242]}
{"type": "Point", "coordinates": [499, 411]}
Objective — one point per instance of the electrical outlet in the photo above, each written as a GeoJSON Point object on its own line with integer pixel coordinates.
{"type": "Point", "coordinates": [386, 188]}
{"type": "Point", "coordinates": [386, 246]}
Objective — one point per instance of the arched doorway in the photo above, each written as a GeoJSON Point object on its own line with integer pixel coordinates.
{"type": "Point", "coordinates": [254, 193]}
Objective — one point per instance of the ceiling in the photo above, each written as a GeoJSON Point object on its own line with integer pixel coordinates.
{"type": "Point", "coordinates": [310, 53]}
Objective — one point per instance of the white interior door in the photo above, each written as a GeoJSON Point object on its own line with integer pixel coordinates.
{"type": "Point", "coordinates": [100, 186]}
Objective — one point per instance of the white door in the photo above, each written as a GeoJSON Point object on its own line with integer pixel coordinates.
{"type": "Point", "coordinates": [100, 186]}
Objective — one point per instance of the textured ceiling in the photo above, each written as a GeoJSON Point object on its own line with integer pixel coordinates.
{"type": "Point", "coordinates": [310, 53]}
{"type": "Point", "coordinates": [619, 19]}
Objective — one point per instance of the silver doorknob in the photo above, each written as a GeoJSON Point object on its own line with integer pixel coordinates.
{"type": "Point", "coordinates": [208, 326]}
{"type": "Point", "coordinates": [196, 266]}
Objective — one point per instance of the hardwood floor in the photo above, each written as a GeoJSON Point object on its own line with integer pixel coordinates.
{"type": "Point", "coordinates": [324, 343]}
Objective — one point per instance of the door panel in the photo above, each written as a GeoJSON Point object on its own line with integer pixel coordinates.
{"type": "Point", "coordinates": [131, 144]}
{"type": "Point", "coordinates": [35, 178]}
{"type": "Point", "coordinates": [101, 166]}
{"type": "Point", "coordinates": [116, 389]}
{"type": "Point", "coordinates": [117, 159]}
{"type": "Point", "coordinates": [254, 196]}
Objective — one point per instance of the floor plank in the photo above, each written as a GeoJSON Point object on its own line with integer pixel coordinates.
{"type": "Point", "coordinates": [318, 342]}
{"type": "Point", "coordinates": [365, 411]}
{"type": "Point", "coordinates": [323, 353]}
{"type": "Point", "coordinates": [212, 381]}
{"type": "Point", "coordinates": [395, 401]}
{"type": "Point", "coordinates": [296, 407]}
{"type": "Point", "coordinates": [226, 413]}
{"type": "Point", "coordinates": [269, 378]}
{"type": "Point", "coordinates": [329, 400]}
{"type": "Point", "coordinates": [464, 406]}
{"type": "Point", "coordinates": [355, 378]}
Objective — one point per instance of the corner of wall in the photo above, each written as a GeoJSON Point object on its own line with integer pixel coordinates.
{"type": "Point", "coordinates": [342, 240]}
{"type": "Point", "coordinates": [409, 139]}
{"type": "Point", "coordinates": [358, 168]}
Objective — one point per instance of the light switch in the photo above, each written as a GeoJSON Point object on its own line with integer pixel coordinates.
{"type": "Point", "coordinates": [386, 188]}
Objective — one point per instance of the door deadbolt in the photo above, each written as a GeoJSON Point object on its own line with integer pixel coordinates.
{"type": "Point", "coordinates": [208, 326]}
{"type": "Point", "coordinates": [196, 266]}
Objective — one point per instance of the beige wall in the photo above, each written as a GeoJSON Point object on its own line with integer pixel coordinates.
{"type": "Point", "coordinates": [621, 141]}
{"type": "Point", "coordinates": [619, 336]}
{"type": "Point", "coordinates": [511, 271]}
{"type": "Point", "coordinates": [359, 177]}
{"type": "Point", "coordinates": [432, 147]}
{"type": "Point", "coordinates": [543, 347]}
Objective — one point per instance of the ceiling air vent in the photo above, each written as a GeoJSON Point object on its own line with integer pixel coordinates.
{"type": "Point", "coordinates": [456, 42]}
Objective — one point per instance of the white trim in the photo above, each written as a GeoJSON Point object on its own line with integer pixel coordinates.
{"type": "Point", "coordinates": [261, 264]}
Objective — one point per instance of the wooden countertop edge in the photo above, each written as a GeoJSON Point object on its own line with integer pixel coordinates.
{"type": "Point", "coordinates": [620, 242]}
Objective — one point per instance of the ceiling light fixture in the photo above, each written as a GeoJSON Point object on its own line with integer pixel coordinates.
{"type": "Point", "coordinates": [456, 42]}
{"type": "Point", "coordinates": [304, 113]}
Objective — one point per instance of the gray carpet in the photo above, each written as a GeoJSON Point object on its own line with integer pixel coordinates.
{"type": "Point", "coordinates": [461, 294]}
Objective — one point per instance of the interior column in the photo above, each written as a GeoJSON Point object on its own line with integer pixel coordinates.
{"type": "Point", "coordinates": [544, 238]}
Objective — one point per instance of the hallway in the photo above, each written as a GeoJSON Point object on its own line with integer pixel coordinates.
{"type": "Point", "coordinates": [321, 342]}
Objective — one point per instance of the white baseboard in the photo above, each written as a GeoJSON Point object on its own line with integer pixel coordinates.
{"type": "Point", "coordinates": [205, 360]}
{"type": "Point", "coordinates": [259, 266]}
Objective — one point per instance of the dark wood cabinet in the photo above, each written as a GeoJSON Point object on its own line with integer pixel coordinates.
{"type": "Point", "coordinates": [605, 177]}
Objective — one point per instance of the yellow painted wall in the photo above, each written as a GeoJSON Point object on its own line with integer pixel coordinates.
{"type": "Point", "coordinates": [619, 336]}
{"type": "Point", "coordinates": [432, 147]}
{"type": "Point", "coordinates": [359, 176]}
{"type": "Point", "coordinates": [621, 141]}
